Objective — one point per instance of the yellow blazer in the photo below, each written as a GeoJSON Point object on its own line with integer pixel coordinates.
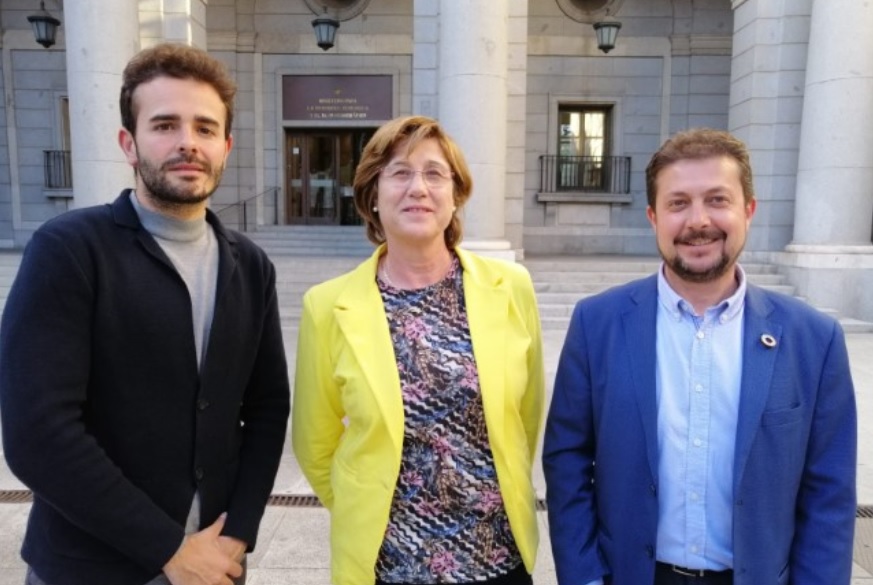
{"type": "Point", "coordinates": [348, 421]}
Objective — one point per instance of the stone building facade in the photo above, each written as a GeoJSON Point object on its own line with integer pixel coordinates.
{"type": "Point", "coordinates": [556, 131]}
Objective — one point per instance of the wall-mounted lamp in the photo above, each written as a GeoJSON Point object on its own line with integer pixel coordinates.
{"type": "Point", "coordinates": [45, 26]}
{"type": "Point", "coordinates": [606, 32]}
{"type": "Point", "coordinates": [325, 29]}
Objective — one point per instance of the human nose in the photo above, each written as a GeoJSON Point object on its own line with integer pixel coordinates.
{"type": "Point", "coordinates": [699, 215]}
{"type": "Point", "coordinates": [187, 139]}
{"type": "Point", "coordinates": [417, 182]}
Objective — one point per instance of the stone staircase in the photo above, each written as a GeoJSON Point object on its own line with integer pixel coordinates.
{"type": "Point", "coordinates": [313, 240]}
{"type": "Point", "coordinates": [560, 281]}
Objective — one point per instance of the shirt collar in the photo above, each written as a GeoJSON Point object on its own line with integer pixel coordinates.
{"type": "Point", "coordinates": [678, 307]}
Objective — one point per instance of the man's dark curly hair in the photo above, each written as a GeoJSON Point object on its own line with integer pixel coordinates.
{"type": "Point", "coordinates": [180, 62]}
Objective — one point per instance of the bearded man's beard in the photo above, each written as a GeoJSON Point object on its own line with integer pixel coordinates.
{"type": "Point", "coordinates": [155, 179]}
{"type": "Point", "coordinates": [689, 273]}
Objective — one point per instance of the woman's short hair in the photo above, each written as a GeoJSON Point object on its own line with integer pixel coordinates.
{"type": "Point", "coordinates": [407, 133]}
{"type": "Point", "coordinates": [696, 144]}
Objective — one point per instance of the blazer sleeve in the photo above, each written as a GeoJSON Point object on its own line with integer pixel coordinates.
{"type": "Point", "coordinates": [826, 502]}
{"type": "Point", "coordinates": [317, 414]}
{"type": "Point", "coordinates": [568, 463]}
{"type": "Point", "coordinates": [534, 397]}
{"type": "Point", "coordinates": [45, 349]}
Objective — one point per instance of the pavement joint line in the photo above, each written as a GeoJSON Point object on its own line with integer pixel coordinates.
{"type": "Point", "coordinates": [311, 501]}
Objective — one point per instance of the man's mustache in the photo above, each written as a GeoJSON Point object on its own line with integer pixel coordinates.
{"type": "Point", "coordinates": [709, 234]}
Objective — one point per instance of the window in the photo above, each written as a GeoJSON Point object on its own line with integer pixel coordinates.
{"type": "Point", "coordinates": [583, 147]}
{"type": "Point", "coordinates": [57, 163]}
{"type": "Point", "coordinates": [65, 123]}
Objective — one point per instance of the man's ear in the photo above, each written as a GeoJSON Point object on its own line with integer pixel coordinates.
{"type": "Point", "coordinates": [228, 146]}
{"type": "Point", "coordinates": [751, 206]}
{"type": "Point", "coordinates": [128, 146]}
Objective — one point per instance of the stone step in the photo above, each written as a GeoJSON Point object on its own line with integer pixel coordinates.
{"type": "Point", "coordinates": [342, 241]}
{"type": "Point", "coordinates": [612, 277]}
{"type": "Point", "coordinates": [640, 265]}
{"type": "Point", "coordinates": [559, 282]}
{"type": "Point", "coordinates": [590, 287]}
{"type": "Point", "coordinates": [851, 325]}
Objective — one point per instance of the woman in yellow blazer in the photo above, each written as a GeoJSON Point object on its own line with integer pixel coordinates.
{"type": "Point", "coordinates": [419, 384]}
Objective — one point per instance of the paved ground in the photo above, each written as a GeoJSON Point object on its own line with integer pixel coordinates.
{"type": "Point", "coordinates": [293, 542]}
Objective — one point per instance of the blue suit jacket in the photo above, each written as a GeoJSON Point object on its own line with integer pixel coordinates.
{"type": "Point", "coordinates": [795, 462]}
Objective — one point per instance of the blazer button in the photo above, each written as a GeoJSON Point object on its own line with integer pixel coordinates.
{"type": "Point", "coordinates": [650, 550]}
{"type": "Point", "coordinates": [202, 404]}
{"type": "Point", "coordinates": [654, 489]}
{"type": "Point", "coordinates": [198, 473]}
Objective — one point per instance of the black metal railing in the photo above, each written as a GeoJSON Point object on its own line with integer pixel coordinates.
{"type": "Point", "coordinates": [242, 215]}
{"type": "Point", "coordinates": [584, 174]}
{"type": "Point", "coordinates": [58, 169]}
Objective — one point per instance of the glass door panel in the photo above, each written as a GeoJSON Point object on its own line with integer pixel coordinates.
{"type": "Point", "coordinates": [319, 175]}
{"type": "Point", "coordinates": [322, 178]}
{"type": "Point", "coordinates": [294, 192]}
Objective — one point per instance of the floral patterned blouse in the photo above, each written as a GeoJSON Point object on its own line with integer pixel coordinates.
{"type": "Point", "coordinates": [447, 522]}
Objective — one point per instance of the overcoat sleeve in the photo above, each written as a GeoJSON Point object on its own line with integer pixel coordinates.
{"type": "Point", "coordinates": [264, 415]}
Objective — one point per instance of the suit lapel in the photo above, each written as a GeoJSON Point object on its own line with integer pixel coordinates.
{"type": "Point", "coordinates": [360, 314]}
{"type": "Point", "coordinates": [487, 313]}
{"type": "Point", "coordinates": [758, 363]}
{"type": "Point", "coordinates": [639, 336]}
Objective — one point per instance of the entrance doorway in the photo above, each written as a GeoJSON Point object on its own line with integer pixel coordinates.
{"type": "Point", "coordinates": [319, 170]}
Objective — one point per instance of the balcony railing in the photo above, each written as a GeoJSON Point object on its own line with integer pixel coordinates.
{"type": "Point", "coordinates": [58, 169]}
{"type": "Point", "coordinates": [584, 174]}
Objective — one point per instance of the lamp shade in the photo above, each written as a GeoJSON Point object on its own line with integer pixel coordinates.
{"type": "Point", "coordinates": [325, 29]}
{"type": "Point", "coordinates": [45, 26]}
{"type": "Point", "coordinates": [606, 32]}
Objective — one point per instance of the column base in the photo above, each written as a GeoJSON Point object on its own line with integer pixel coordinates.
{"type": "Point", "coordinates": [493, 248]}
{"type": "Point", "coordinates": [829, 276]}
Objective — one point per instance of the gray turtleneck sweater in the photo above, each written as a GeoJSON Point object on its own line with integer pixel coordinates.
{"type": "Point", "coordinates": [192, 248]}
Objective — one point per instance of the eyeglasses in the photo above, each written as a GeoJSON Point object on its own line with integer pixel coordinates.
{"type": "Point", "coordinates": [433, 177]}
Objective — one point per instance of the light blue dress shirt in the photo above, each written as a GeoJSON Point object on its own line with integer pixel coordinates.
{"type": "Point", "coordinates": [699, 367]}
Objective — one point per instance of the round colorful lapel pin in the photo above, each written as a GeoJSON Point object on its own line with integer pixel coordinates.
{"type": "Point", "coordinates": [768, 341]}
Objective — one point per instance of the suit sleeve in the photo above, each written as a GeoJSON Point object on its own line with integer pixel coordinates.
{"type": "Point", "coordinates": [316, 425]}
{"type": "Point", "coordinates": [826, 502]}
{"type": "Point", "coordinates": [568, 463]}
{"type": "Point", "coordinates": [45, 351]}
{"type": "Point", "coordinates": [265, 409]}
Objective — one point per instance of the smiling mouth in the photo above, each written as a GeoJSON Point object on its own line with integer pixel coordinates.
{"type": "Point", "coordinates": [698, 239]}
{"type": "Point", "coordinates": [698, 242]}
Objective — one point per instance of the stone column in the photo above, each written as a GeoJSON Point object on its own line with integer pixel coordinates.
{"type": "Point", "coordinates": [100, 38]}
{"type": "Point", "coordinates": [184, 21]}
{"type": "Point", "coordinates": [831, 257]}
{"type": "Point", "coordinates": [766, 107]}
{"type": "Point", "coordinates": [834, 203]}
{"type": "Point", "coordinates": [473, 69]}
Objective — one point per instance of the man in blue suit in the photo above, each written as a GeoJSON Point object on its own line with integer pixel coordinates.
{"type": "Point", "coordinates": [702, 430]}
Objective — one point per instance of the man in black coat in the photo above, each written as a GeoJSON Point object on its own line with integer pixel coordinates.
{"type": "Point", "coordinates": [143, 381]}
